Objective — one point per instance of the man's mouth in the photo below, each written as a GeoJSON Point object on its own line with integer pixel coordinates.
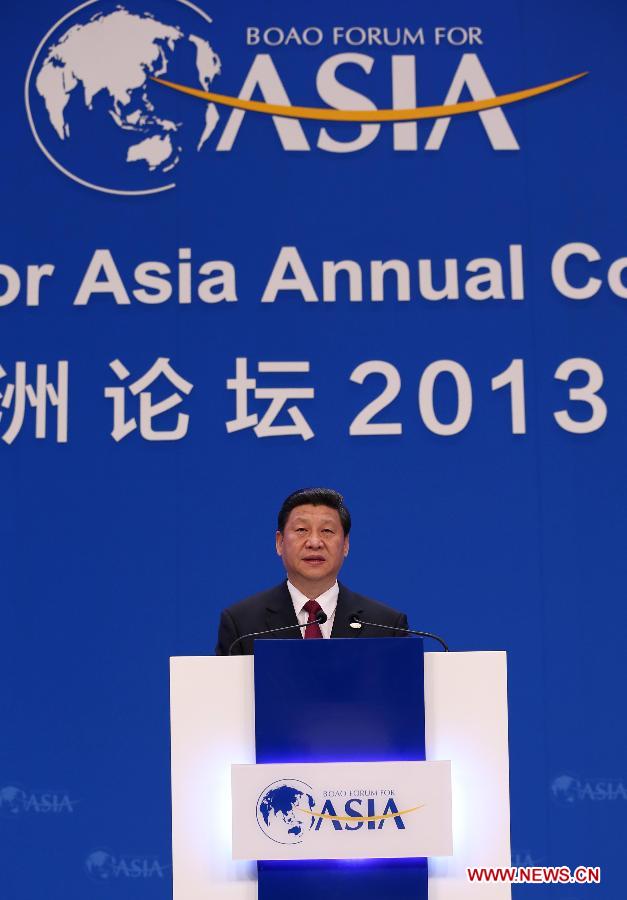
{"type": "Point", "coordinates": [314, 560]}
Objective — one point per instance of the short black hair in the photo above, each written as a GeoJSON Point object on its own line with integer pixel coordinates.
{"type": "Point", "coordinates": [315, 496]}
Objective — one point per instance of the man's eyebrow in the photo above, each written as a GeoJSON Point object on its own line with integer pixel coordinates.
{"type": "Point", "coordinates": [304, 517]}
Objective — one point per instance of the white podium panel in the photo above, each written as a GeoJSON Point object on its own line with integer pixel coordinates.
{"type": "Point", "coordinates": [212, 715]}
{"type": "Point", "coordinates": [212, 723]}
{"type": "Point", "coordinates": [466, 722]}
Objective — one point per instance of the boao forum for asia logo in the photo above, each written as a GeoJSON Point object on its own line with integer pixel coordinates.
{"type": "Point", "coordinates": [103, 96]}
{"type": "Point", "coordinates": [286, 811]}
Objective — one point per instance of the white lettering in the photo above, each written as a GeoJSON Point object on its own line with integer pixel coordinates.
{"type": "Point", "coordinates": [470, 74]}
{"type": "Point", "coordinates": [148, 274]}
{"type": "Point", "coordinates": [617, 285]}
{"type": "Point", "coordinates": [329, 278]}
{"type": "Point", "coordinates": [404, 97]}
{"type": "Point", "coordinates": [558, 271]}
{"type": "Point", "coordinates": [451, 282]}
{"type": "Point", "coordinates": [378, 268]}
{"type": "Point", "coordinates": [517, 282]}
{"type": "Point", "coordinates": [220, 286]}
{"type": "Point", "coordinates": [12, 287]}
{"type": "Point", "coordinates": [338, 96]}
{"type": "Point", "coordinates": [289, 258]}
{"type": "Point", "coordinates": [102, 261]}
{"type": "Point", "coordinates": [492, 278]}
{"type": "Point", "coordinates": [263, 75]}
{"type": "Point", "coordinates": [34, 274]}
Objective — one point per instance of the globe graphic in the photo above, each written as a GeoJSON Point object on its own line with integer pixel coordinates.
{"type": "Point", "coordinates": [93, 107]}
{"type": "Point", "coordinates": [12, 800]}
{"type": "Point", "coordinates": [565, 789]}
{"type": "Point", "coordinates": [284, 811]}
{"type": "Point", "coordinates": [99, 865]}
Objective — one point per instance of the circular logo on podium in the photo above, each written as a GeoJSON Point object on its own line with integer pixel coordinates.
{"type": "Point", "coordinates": [284, 811]}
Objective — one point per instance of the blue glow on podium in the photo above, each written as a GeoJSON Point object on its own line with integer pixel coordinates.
{"type": "Point", "coordinates": [352, 701]}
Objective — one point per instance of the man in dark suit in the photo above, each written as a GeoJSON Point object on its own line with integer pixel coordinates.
{"type": "Point", "coordinates": [313, 540]}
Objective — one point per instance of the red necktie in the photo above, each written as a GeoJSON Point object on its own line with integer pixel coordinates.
{"type": "Point", "coordinates": [312, 607]}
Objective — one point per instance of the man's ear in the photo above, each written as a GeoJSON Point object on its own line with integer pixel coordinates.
{"type": "Point", "coordinates": [279, 543]}
{"type": "Point", "coordinates": [346, 545]}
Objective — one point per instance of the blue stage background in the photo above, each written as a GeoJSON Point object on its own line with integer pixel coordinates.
{"type": "Point", "coordinates": [116, 555]}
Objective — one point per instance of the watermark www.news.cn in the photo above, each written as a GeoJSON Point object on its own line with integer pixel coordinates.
{"type": "Point", "coordinates": [538, 874]}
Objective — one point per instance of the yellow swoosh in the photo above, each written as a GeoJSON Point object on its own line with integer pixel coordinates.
{"type": "Point", "coordinates": [369, 115]}
{"type": "Point", "coordinates": [317, 815]}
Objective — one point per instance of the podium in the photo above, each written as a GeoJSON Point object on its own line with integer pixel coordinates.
{"type": "Point", "coordinates": [370, 689]}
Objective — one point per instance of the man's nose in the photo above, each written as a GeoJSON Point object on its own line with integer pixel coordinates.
{"type": "Point", "coordinates": [315, 540]}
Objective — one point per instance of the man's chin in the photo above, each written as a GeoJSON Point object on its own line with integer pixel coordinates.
{"type": "Point", "coordinates": [321, 570]}
{"type": "Point", "coordinates": [315, 575]}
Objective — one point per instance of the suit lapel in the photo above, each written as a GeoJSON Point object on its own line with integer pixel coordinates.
{"type": "Point", "coordinates": [280, 613]}
{"type": "Point", "coordinates": [347, 606]}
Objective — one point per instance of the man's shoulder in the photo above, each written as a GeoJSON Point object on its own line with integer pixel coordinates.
{"type": "Point", "coordinates": [260, 600]}
{"type": "Point", "coordinates": [379, 612]}
{"type": "Point", "coordinates": [251, 615]}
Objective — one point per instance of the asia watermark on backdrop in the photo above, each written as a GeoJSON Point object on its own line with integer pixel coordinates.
{"type": "Point", "coordinates": [571, 790]}
{"type": "Point", "coordinates": [16, 801]}
{"type": "Point", "coordinates": [106, 866]}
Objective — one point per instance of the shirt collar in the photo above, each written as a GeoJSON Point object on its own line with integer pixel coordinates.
{"type": "Point", "coordinates": [328, 600]}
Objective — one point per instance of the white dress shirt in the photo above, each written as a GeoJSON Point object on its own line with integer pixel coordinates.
{"type": "Point", "coordinates": [328, 602]}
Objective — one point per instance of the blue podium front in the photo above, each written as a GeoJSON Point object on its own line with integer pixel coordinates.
{"type": "Point", "coordinates": [359, 700]}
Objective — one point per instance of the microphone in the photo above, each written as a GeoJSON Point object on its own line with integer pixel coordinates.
{"type": "Point", "coordinates": [320, 619]}
{"type": "Point", "coordinates": [356, 622]}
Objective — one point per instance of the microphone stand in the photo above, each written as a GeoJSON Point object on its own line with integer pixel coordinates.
{"type": "Point", "coordinates": [320, 619]}
{"type": "Point", "coordinates": [356, 622]}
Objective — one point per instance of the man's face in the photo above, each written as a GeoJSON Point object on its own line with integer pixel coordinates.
{"type": "Point", "coordinates": [313, 546]}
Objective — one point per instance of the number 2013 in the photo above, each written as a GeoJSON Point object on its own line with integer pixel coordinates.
{"type": "Point", "coordinates": [513, 378]}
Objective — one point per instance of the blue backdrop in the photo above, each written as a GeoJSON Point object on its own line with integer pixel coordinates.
{"type": "Point", "coordinates": [126, 526]}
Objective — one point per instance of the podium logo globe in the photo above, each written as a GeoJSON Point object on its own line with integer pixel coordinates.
{"type": "Point", "coordinates": [92, 105]}
{"type": "Point", "coordinates": [284, 811]}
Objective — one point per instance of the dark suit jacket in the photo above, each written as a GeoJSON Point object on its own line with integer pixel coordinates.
{"type": "Point", "coordinates": [274, 608]}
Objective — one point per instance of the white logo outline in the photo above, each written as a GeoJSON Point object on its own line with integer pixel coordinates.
{"type": "Point", "coordinates": [40, 144]}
